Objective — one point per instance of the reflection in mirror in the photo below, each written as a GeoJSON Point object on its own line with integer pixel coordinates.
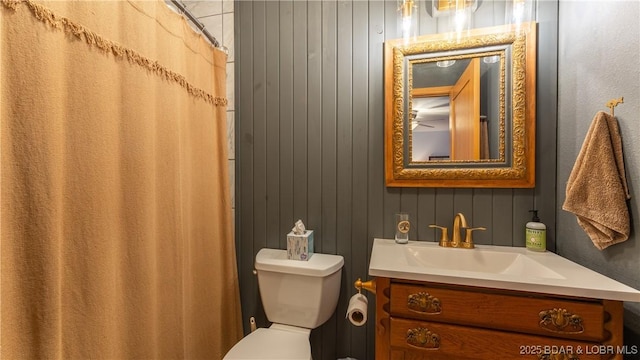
{"type": "Point", "coordinates": [433, 121]}
{"type": "Point", "coordinates": [461, 113]}
{"type": "Point", "coordinates": [430, 137]}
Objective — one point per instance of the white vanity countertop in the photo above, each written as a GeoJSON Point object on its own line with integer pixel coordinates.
{"type": "Point", "coordinates": [540, 272]}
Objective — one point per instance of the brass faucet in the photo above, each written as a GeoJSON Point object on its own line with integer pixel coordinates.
{"type": "Point", "coordinates": [459, 223]}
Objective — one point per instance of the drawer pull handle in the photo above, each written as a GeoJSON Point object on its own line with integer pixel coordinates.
{"type": "Point", "coordinates": [558, 357]}
{"type": "Point", "coordinates": [561, 321]}
{"type": "Point", "coordinates": [422, 302]}
{"type": "Point", "coordinates": [423, 338]}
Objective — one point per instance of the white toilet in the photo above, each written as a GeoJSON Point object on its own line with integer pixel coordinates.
{"type": "Point", "coordinates": [297, 296]}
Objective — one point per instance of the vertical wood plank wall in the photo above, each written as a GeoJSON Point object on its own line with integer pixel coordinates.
{"type": "Point", "coordinates": [309, 143]}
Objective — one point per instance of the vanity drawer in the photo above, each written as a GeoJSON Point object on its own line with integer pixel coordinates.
{"type": "Point", "coordinates": [571, 319]}
{"type": "Point", "coordinates": [413, 339]}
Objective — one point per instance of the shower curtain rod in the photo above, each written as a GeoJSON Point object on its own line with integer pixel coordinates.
{"type": "Point", "coordinates": [198, 24]}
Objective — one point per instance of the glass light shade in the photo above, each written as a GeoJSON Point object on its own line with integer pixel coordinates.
{"type": "Point", "coordinates": [408, 13]}
{"type": "Point", "coordinates": [519, 11]}
{"type": "Point", "coordinates": [460, 18]}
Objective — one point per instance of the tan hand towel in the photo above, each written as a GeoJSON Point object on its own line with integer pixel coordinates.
{"type": "Point", "coordinates": [597, 189]}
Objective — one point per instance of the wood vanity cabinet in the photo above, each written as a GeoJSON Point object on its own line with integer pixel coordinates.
{"type": "Point", "coordinates": [422, 320]}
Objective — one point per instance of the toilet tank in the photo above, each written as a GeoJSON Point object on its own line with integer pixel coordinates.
{"type": "Point", "coordinates": [298, 293]}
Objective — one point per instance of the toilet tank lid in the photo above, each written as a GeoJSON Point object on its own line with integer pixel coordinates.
{"type": "Point", "coordinates": [318, 264]}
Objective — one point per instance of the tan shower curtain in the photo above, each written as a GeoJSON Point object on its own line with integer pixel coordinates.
{"type": "Point", "coordinates": [117, 240]}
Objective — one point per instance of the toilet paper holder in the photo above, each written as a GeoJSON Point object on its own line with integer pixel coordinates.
{"type": "Point", "coordinates": [367, 285]}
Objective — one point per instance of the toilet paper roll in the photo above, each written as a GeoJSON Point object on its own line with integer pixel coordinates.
{"type": "Point", "coordinates": [357, 310]}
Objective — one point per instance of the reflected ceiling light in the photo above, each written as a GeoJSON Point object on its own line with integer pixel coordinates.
{"type": "Point", "coordinates": [491, 59]}
{"type": "Point", "coordinates": [445, 63]}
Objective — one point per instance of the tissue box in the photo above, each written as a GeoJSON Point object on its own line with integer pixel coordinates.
{"type": "Point", "coordinates": [300, 247]}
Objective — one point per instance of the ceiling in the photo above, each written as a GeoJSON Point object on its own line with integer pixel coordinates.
{"type": "Point", "coordinates": [432, 113]}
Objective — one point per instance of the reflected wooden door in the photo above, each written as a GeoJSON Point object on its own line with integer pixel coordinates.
{"type": "Point", "coordinates": [465, 114]}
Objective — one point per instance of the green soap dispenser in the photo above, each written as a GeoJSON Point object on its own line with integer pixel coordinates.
{"type": "Point", "coordinates": [536, 233]}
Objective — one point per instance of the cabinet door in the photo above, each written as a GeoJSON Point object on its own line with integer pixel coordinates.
{"type": "Point", "coordinates": [417, 340]}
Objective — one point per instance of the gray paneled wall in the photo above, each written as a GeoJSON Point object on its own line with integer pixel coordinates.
{"type": "Point", "coordinates": [309, 135]}
{"type": "Point", "coordinates": [589, 78]}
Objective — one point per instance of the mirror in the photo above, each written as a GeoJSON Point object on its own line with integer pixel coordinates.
{"type": "Point", "coordinates": [460, 111]}
{"type": "Point", "coordinates": [442, 92]}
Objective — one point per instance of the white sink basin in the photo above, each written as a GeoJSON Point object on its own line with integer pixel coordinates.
{"type": "Point", "coordinates": [482, 260]}
{"type": "Point", "coordinates": [500, 267]}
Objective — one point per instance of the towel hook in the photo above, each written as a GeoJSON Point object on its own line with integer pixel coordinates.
{"type": "Point", "coordinates": [613, 103]}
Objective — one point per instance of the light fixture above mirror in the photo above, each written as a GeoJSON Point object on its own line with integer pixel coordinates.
{"type": "Point", "coordinates": [445, 7]}
{"type": "Point", "coordinates": [408, 13]}
{"type": "Point", "coordinates": [519, 11]}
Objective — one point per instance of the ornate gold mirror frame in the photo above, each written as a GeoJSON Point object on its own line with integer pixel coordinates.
{"type": "Point", "coordinates": [517, 168]}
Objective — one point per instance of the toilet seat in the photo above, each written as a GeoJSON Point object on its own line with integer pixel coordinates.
{"type": "Point", "coordinates": [272, 343]}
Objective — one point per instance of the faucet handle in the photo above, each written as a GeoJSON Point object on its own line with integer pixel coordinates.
{"type": "Point", "coordinates": [468, 238]}
{"type": "Point", "coordinates": [444, 235]}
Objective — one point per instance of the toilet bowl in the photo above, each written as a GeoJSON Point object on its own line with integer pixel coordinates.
{"type": "Point", "coordinates": [275, 342]}
{"type": "Point", "coordinates": [297, 296]}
